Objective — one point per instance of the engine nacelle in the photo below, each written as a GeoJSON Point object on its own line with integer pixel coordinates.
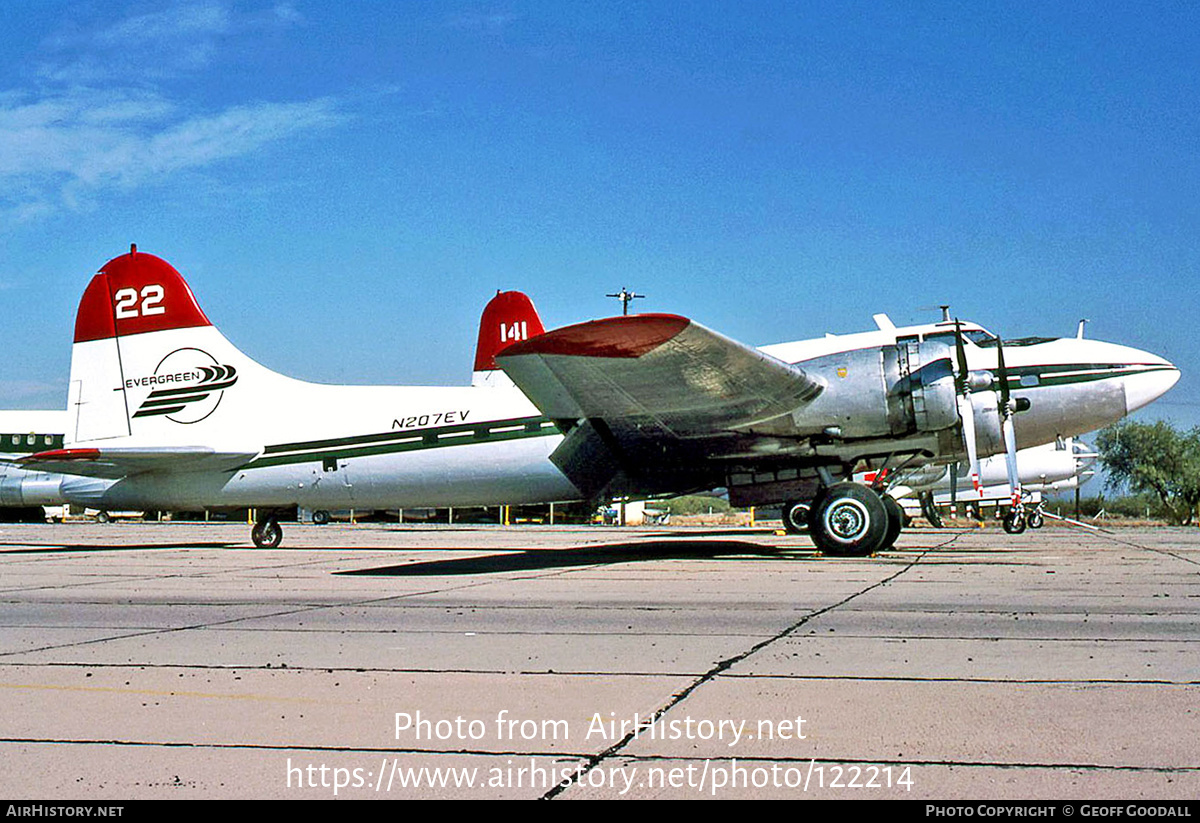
{"type": "Point", "coordinates": [888, 391]}
{"type": "Point", "coordinates": [19, 487]}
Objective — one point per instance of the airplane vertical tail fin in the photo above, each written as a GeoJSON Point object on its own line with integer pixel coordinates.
{"type": "Point", "coordinates": [146, 359]}
{"type": "Point", "coordinates": [507, 318]}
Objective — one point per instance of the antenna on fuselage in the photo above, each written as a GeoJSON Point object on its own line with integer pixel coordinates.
{"type": "Point", "coordinates": [945, 313]}
{"type": "Point", "coordinates": [1079, 333]}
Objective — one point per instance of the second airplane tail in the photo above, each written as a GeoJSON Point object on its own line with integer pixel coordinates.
{"type": "Point", "coordinates": [508, 318]}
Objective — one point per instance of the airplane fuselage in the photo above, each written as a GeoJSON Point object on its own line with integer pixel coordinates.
{"type": "Point", "coordinates": [164, 412]}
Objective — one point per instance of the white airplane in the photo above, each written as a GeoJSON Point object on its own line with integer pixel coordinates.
{"type": "Point", "coordinates": [165, 413]}
{"type": "Point", "coordinates": [657, 403]}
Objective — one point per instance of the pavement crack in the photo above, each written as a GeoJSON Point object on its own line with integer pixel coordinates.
{"type": "Point", "coordinates": [724, 665]}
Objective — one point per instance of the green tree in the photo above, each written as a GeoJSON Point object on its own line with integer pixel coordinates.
{"type": "Point", "coordinates": [1155, 458]}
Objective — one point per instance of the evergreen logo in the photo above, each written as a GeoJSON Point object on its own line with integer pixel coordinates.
{"type": "Point", "coordinates": [188, 385]}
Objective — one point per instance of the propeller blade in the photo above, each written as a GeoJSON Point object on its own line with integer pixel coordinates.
{"type": "Point", "coordinates": [966, 411]}
{"type": "Point", "coordinates": [1002, 374]}
{"type": "Point", "coordinates": [1010, 457]}
{"type": "Point", "coordinates": [1007, 427]}
{"type": "Point", "coordinates": [962, 357]}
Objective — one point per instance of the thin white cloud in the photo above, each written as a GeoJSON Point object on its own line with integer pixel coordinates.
{"type": "Point", "coordinates": [69, 146]}
{"type": "Point", "coordinates": [181, 22]}
{"type": "Point", "coordinates": [286, 13]}
{"type": "Point", "coordinates": [99, 120]}
{"type": "Point", "coordinates": [22, 390]}
{"type": "Point", "coordinates": [493, 21]}
{"type": "Point", "coordinates": [154, 45]}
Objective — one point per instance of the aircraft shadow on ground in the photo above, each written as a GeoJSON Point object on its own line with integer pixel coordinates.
{"type": "Point", "coordinates": [600, 555]}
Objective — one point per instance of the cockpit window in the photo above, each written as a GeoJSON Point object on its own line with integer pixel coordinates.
{"type": "Point", "coordinates": [977, 336]}
{"type": "Point", "coordinates": [1027, 341]}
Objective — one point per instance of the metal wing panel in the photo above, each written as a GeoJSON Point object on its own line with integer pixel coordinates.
{"type": "Point", "coordinates": [662, 370]}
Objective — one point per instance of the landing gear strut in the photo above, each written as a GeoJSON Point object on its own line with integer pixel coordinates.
{"type": "Point", "coordinates": [267, 533]}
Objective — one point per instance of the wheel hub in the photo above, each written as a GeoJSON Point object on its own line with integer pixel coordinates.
{"type": "Point", "coordinates": [847, 521]}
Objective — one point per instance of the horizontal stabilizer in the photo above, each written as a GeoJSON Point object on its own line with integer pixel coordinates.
{"type": "Point", "coordinates": [121, 462]}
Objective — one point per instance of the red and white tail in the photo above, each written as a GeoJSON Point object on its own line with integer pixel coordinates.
{"type": "Point", "coordinates": [508, 318]}
{"type": "Point", "coordinates": [147, 361]}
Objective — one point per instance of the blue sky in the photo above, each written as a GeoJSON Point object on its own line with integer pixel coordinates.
{"type": "Point", "coordinates": [345, 184]}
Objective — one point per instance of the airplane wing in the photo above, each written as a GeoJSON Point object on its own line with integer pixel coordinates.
{"type": "Point", "coordinates": [115, 463]}
{"type": "Point", "coordinates": [630, 389]}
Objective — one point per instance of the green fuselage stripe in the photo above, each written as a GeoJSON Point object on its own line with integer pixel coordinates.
{"type": "Point", "coordinates": [403, 440]}
{"type": "Point", "coordinates": [1067, 374]}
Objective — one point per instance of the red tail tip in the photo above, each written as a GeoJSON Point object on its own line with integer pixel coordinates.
{"type": "Point", "coordinates": [509, 318]}
{"type": "Point", "coordinates": [133, 294]}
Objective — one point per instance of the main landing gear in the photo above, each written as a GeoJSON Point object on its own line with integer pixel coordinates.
{"type": "Point", "coordinates": [267, 533]}
{"type": "Point", "coordinates": [848, 520]}
{"type": "Point", "coordinates": [795, 516]}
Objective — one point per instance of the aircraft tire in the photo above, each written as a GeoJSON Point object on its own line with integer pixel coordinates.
{"type": "Point", "coordinates": [850, 520]}
{"type": "Point", "coordinates": [895, 521]}
{"type": "Point", "coordinates": [1014, 523]}
{"type": "Point", "coordinates": [795, 516]}
{"type": "Point", "coordinates": [930, 510]}
{"type": "Point", "coordinates": [320, 517]}
{"type": "Point", "coordinates": [267, 534]}
{"type": "Point", "coordinates": [1035, 520]}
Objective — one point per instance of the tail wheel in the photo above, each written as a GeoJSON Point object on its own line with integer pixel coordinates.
{"type": "Point", "coordinates": [795, 517]}
{"type": "Point", "coordinates": [850, 520]}
{"type": "Point", "coordinates": [267, 534]}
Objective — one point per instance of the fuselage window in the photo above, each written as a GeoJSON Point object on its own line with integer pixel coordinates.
{"type": "Point", "coordinates": [1029, 380]}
